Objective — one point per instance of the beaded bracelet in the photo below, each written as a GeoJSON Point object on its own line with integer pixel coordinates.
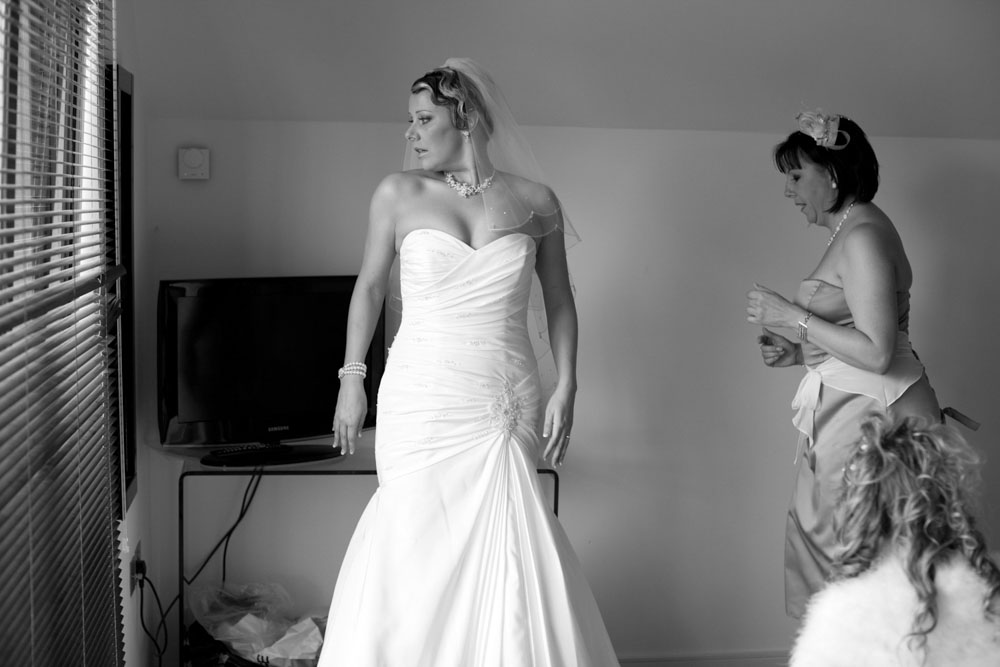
{"type": "Point", "coordinates": [804, 327]}
{"type": "Point", "coordinates": [353, 368]}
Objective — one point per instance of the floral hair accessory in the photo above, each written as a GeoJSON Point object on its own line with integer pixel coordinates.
{"type": "Point", "coordinates": [822, 128]}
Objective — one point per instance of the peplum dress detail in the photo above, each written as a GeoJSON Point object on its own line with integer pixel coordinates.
{"type": "Point", "coordinates": [832, 400]}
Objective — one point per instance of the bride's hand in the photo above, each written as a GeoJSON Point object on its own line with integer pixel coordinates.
{"type": "Point", "coordinates": [557, 425]}
{"type": "Point", "coordinates": [349, 418]}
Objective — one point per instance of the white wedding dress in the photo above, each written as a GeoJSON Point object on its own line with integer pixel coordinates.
{"type": "Point", "coordinates": [458, 561]}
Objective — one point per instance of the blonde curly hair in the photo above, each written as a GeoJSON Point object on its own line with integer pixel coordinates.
{"type": "Point", "coordinates": [909, 486]}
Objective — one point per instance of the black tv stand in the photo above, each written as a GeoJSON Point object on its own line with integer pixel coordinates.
{"type": "Point", "coordinates": [260, 455]}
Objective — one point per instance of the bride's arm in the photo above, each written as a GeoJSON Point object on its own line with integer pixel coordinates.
{"type": "Point", "coordinates": [560, 313]}
{"type": "Point", "coordinates": [366, 304]}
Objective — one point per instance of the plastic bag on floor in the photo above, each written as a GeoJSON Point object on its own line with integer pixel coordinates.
{"type": "Point", "coordinates": [251, 620]}
{"type": "Point", "coordinates": [299, 647]}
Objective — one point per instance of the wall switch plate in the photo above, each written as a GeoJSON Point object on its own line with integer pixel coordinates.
{"type": "Point", "coordinates": [193, 163]}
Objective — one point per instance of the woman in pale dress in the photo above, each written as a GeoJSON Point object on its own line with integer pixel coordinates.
{"type": "Point", "coordinates": [848, 325]}
{"type": "Point", "coordinates": [458, 561]}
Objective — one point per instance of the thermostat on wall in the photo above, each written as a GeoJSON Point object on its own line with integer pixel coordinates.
{"type": "Point", "coordinates": [192, 163]}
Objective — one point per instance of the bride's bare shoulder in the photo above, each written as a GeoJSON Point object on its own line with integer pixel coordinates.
{"type": "Point", "coordinates": [402, 185]}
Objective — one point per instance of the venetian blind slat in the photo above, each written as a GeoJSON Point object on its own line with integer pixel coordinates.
{"type": "Point", "coordinates": [53, 328]}
{"type": "Point", "coordinates": [73, 285]}
{"type": "Point", "coordinates": [59, 602]}
{"type": "Point", "coordinates": [65, 268]}
{"type": "Point", "coordinates": [26, 423]}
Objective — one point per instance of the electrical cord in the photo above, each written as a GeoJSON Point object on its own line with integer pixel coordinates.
{"type": "Point", "coordinates": [140, 571]}
{"type": "Point", "coordinates": [248, 496]}
{"type": "Point", "coordinates": [251, 489]}
{"type": "Point", "coordinates": [244, 508]}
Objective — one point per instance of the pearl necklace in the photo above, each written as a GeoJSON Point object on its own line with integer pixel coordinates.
{"type": "Point", "coordinates": [465, 189]}
{"type": "Point", "coordinates": [840, 224]}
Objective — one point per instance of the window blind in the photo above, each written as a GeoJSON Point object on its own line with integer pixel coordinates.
{"type": "Point", "coordinates": [60, 489]}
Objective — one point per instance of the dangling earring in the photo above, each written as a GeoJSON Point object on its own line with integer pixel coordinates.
{"type": "Point", "coordinates": [466, 134]}
{"type": "Point", "coordinates": [835, 185]}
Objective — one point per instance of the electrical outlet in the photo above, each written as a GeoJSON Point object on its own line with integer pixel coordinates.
{"type": "Point", "coordinates": [132, 575]}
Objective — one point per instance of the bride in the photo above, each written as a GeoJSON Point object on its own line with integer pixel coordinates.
{"type": "Point", "coordinates": [457, 561]}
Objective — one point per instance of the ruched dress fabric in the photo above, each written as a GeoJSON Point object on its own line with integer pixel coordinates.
{"type": "Point", "coordinates": [842, 397]}
{"type": "Point", "coordinates": [458, 559]}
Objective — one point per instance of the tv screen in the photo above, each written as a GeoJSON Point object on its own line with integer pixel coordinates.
{"type": "Point", "coordinates": [253, 361]}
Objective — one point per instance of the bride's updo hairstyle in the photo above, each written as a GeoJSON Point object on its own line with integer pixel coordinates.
{"type": "Point", "coordinates": [908, 486]}
{"type": "Point", "coordinates": [848, 157]}
{"type": "Point", "coordinates": [452, 89]}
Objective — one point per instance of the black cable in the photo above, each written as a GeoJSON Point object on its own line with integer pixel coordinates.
{"type": "Point", "coordinates": [248, 495]}
{"type": "Point", "coordinates": [142, 621]}
{"type": "Point", "coordinates": [163, 619]}
{"type": "Point", "coordinates": [254, 482]}
{"type": "Point", "coordinates": [159, 607]}
{"type": "Point", "coordinates": [244, 508]}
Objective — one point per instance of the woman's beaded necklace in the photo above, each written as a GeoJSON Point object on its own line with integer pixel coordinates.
{"type": "Point", "coordinates": [840, 224]}
{"type": "Point", "coordinates": [466, 189]}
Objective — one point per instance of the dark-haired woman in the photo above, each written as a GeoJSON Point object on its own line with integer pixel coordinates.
{"type": "Point", "coordinates": [913, 583]}
{"type": "Point", "coordinates": [848, 325]}
{"type": "Point", "coordinates": [458, 560]}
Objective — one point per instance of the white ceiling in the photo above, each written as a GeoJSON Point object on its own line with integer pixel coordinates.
{"type": "Point", "coordinates": [900, 67]}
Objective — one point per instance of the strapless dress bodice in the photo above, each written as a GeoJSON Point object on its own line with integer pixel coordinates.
{"type": "Point", "coordinates": [442, 276]}
{"type": "Point", "coordinates": [827, 301]}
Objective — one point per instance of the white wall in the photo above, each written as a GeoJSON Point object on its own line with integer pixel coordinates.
{"type": "Point", "coordinates": [675, 490]}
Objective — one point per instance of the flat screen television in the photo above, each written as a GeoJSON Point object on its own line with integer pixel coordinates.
{"type": "Point", "coordinates": [247, 367]}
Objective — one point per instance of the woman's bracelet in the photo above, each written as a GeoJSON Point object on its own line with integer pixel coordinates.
{"type": "Point", "coordinates": [353, 368]}
{"type": "Point", "coordinates": [804, 327]}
